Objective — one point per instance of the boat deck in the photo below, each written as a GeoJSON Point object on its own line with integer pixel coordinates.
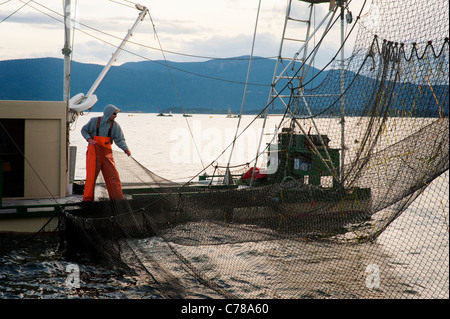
{"type": "Point", "coordinates": [32, 215]}
{"type": "Point", "coordinates": [18, 205]}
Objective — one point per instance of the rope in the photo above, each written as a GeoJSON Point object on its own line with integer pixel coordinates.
{"type": "Point", "coordinates": [175, 87]}
{"type": "Point", "coordinates": [145, 46]}
{"type": "Point", "coordinates": [246, 84]}
{"type": "Point", "coordinates": [9, 16]}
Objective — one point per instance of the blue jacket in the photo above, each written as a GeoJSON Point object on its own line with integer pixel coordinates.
{"type": "Point", "coordinates": [89, 130]}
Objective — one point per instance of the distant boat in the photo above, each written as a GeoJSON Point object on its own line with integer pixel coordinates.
{"type": "Point", "coordinates": [162, 114]}
{"type": "Point", "coordinates": [231, 115]}
{"type": "Point", "coordinates": [187, 115]}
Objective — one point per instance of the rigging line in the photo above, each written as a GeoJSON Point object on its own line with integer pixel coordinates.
{"type": "Point", "coordinates": [185, 184]}
{"type": "Point", "coordinates": [268, 104]}
{"type": "Point", "coordinates": [340, 48]}
{"type": "Point", "coordinates": [274, 98]}
{"type": "Point", "coordinates": [176, 68]}
{"type": "Point", "coordinates": [123, 4]}
{"type": "Point", "coordinates": [320, 42]}
{"type": "Point", "coordinates": [15, 11]}
{"type": "Point", "coordinates": [323, 69]}
{"type": "Point", "coordinates": [340, 95]}
{"type": "Point", "coordinates": [248, 125]}
{"type": "Point", "coordinates": [140, 44]}
{"type": "Point", "coordinates": [175, 87]}
{"type": "Point", "coordinates": [138, 55]}
{"type": "Point", "coordinates": [178, 53]}
{"type": "Point", "coordinates": [313, 50]}
{"type": "Point", "coordinates": [73, 35]}
{"type": "Point", "coordinates": [374, 44]}
{"type": "Point", "coordinates": [165, 61]}
{"type": "Point", "coordinates": [44, 13]}
{"type": "Point", "coordinates": [130, 2]}
{"type": "Point", "coordinates": [332, 10]}
{"type": "Point", "coordinates": [246, 84]}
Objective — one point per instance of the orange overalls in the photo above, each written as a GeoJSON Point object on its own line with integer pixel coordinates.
{"type": "Point", "coordinates": [100, 157]}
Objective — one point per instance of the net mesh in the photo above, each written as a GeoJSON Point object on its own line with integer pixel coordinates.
{"type": "Point", "coordinates": [379, 230]}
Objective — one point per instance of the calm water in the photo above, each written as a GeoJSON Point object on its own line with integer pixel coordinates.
{"type": "Point", "coordinates": [411, 255]}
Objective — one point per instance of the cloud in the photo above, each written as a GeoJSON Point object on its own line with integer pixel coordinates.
{"type": "Point", "coordinates": [202, 28]}
{"type": "Point", "coordinates": [180, 27]}
{"type": "Point", "coordinates": [32, 18]}
{"type": "Point", "coordinates": [92, 52]}
{"type": "Point", "coordinates": [232, 46]}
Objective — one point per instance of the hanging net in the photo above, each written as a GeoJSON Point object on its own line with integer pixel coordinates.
{"type": "Point", "coordinates": [308, 226]}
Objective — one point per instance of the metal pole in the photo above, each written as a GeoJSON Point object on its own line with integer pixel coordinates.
{"type": "Point", "coordinates": [289, 65]}
{"type": "Point", "coordinates": [228, 178]}
{"type": "Point", "coordinates": [272, 89]}
{"type": "Point", "coordinates": [342, 94]}
{"type": "Point", "coordinates": [67, 51]}
{"type": "Point", "coordinates": [277, 78]}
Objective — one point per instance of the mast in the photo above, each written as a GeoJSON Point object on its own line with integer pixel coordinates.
{"type": "Point", "coordinates": [341, 4]}
{"type": "Point", "coordinates": [67, 51]}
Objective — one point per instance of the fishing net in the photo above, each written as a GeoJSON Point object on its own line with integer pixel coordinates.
{"type": "Point", "coordinates": [308, 226]}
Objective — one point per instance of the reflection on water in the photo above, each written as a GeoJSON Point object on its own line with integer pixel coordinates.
{"type": "Point", "coordinates": [36, 268]}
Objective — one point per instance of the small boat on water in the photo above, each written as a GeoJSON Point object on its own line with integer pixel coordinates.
{"type": "Point", "coordinates": [231, 115]}
{"type": "Point", "coordinates": [162, 114]}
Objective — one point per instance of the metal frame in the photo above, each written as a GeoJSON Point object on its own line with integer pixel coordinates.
{"type": "Point", "coordinates": [275, 95]}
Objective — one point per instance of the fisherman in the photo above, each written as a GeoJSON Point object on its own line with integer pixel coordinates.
{"type": "Point", "coordinates": [101, 132]}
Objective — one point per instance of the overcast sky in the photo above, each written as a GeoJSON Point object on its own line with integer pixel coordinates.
{"type": "Point", "coordinates": [202, 28]}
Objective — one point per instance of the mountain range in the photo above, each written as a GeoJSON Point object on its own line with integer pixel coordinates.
{"type": "Point", "coordinates": [213, 86]}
